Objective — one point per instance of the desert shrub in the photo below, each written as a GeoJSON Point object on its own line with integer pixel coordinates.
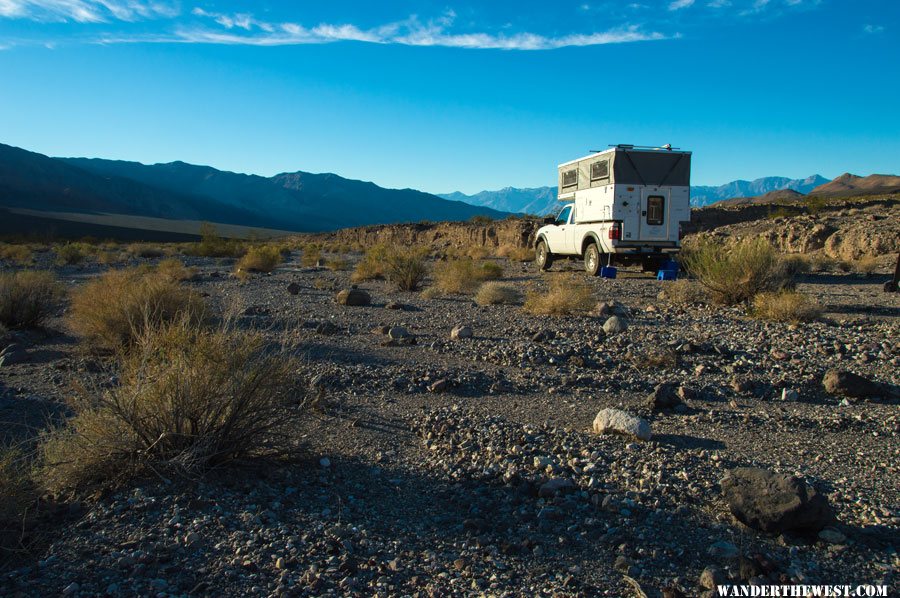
{"type": "Point", "coordinates": [371, 266]}
{"type": "Point", "coordinates": [71, 254]}
{"type": "Point", "coordinates": [109, 257]}
{"type": "Point", "coordinates": [324, 284]}
{"type": "Point", "coordinates": [736, 273]}
{"type": "Point", "coordinates": [188, 399]}
{"type": "Point", "coordinates": [145, 251]}
{"type": "Point", "coordinates": [212, 245]}
{"type": "Point", "coordinates": [481, 219]}
{"type": "Point", "coordinates": [174, 269]}
{"type": "Point", "coordinates": [17, 495]}
{"type": "Point", "coordinates": [464, 275]}
{"type": "Point", "coordinates": [431, 293]}
{"type": "Point", "coordinates": [496, 293]}
{"type": "Point", "coordinates": [796, 264]}
{"type": "Point", "coordinates": [112, 310]}
{"type": "Point", "coordinates": [821, 263]}
{"type": "Point", "coordinates": [814, 204]}
{"type": "Point", "coordinates": [28, 298]}
{"type": "Point", "coordinates": [477, 252]}
{"type": "Point", "coordinates": [310, 256]}
{"type": "Point", "coordinates": [406, 267]}
{"type": "Point", "coordinates": [564, 296]}
{"type": "Point", "coordinates": [785, 306]}
{"type": "Point", "coordinates": [516, 254]}
{"type": "Point", "coordinates": [18, 254]}
{"type": "Point", "coordinates": [683, 292]}
{"type": "Point", "coordinates": [259, 258]}
{"type": "Point", "coordinates": [337, 264]}
{"type": "Point", "coordinates": [776, 212]}
{"type": "Point", "coordinates": [868, 265]}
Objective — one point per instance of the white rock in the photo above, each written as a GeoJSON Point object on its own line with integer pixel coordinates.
{"type": "Point", "coordinates": [460, 332]}
{"type": "Point", "coordinates": [616, 421]}
{"type": "Point", "coordinates": [614, 325]}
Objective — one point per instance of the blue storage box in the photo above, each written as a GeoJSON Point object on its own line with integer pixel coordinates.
{"type": "Point", "coordinates": [607, 272]}
{"type": "Point", "coordinates": [670, 265]}
{"type": "Point", "coordinates": [667, 275]}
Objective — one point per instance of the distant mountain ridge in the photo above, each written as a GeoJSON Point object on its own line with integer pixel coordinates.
{"type": "Point", "coordinates": [542, 200]}
{"type": "Point", "coordinates": [299, 201]}
{"type": "Point", "coordinates": [848, 185]}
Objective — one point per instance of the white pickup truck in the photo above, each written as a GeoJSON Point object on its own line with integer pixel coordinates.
{"type": "Point", "coordinates": [625, 206]}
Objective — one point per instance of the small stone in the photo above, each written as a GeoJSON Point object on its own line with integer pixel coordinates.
{"type": "Point", "coordinates": [663, 397]}
{"type": "Point", "coordinates": [615, 325]}
{"type": "Point", "coordinates": [325, 462]}
{"type": "Point", "coordinates": [394, 305]}
{"type": "Point", "coordinates": [280, 563]}
{"type": "Point", "coordinates": [556, 486]}
{"type": "Point", "coordinates": [712, 577]}
{"type": "Point", "coordinates": [616, 421]}
{"type": "Point", "coordinates": [71, 589]}
{"type": "Point", "coordinates": [398, 332]}
{"type": "Point", "coordinates": [293, 288]}
{"type": "Point", "coordinates": [832, 536]}
{"type": "Point", "coordinates": [439, 386]}
{"type": "Point", "coordinates": [459, 332]}
{"type": "Point", "coordinates": [722, 550]}
{"type": "Point", "coordinates": [353, 296]}
{"type": "Point", "coordinates": [789, 394]}
{"type": "Point", "coordinates": [854, 386]}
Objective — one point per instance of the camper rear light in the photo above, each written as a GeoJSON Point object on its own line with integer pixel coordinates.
{"type": "Point", "coordinates": [615, 232]}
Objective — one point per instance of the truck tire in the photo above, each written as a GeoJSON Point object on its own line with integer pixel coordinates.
{"type": "Point", "coordinates": [592, 263]}
{"type": "Point", "coordinates": [542, 256]}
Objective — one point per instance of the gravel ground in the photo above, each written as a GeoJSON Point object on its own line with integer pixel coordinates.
{"type": "Point", "coordinates": [468, 466]}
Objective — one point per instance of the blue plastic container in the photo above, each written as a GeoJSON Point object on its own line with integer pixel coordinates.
{"type": "Point", "coordinates": [607, 272]}
{"type": "Point", "coordinates": [670, 265]}
{"type": "Point", "coordinates": [667, 275]}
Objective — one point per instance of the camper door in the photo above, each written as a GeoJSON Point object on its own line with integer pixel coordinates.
{"type": "Point", "coordinates": [654, 214]}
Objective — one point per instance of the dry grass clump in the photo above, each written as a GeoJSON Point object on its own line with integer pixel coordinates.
{"type": "Point", "coordinates": [113, 310]}
{"type": "Point", "coordinates": [189, 399]}
{"type": "Point", "coordinates": [72, 253]}
{"type": "Point", "coordinates": [785, 306]}
{"type": "Point", "coordinates": [464, 275]}
{"type": "Point", "coordinates": [310, 256]}
{"type": "Point", "coordinates": [683, 292]}
{"type": "Point", "coordinates": [17, 495]}
{"type": "Point", "coordinates": [28, 298]}
{"type": "Point", "coordinates": [406, 267]}
{"type": "Point", "coordinates": [564, 296]}
{"type": "Point", "coordinates": [337, 264]}
{"type": "Point", "coordinates": [371, 266]}
{"type": "Point", "coordinates": [17, 254]}
{"type": "Point", "coordinates": [146, 251]}
{"type": "Point", "coordinates": [497, 293]}
{"type": "Point", "coordinates": [516, 254]}
{"type": "Point", "coordinates": [212, 245]}
{"type": "Point", "coordinates": [868, 265]}
{"type": "Point", "coordinates": [736, 273]}
{"type": "Point", "coordinates": [259, 258]}
{"type": "Point", "coordinates": [174, 269]}
{"type": "Point", "coordinates": [796, 264]}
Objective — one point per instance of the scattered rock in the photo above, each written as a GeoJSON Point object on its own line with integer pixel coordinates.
{"type": "Point", "coordinates": [439, 385]}
{"type": "Point", "coordinates": [664, 396]}
{"type": "Point", "coordinates": [776, 503]}
{"type": "Point", "coordinates": [616, 421]}
{"type": "Point", "coordinates": [459, 332]}
{"type": "Point", "coordinates": [848, 384]}
{"type": "Point", "coordinates": [712, 577]}
{"type": "Point", "coordinates": [556, 486]}
{"type": "Point", "coordinates": [722, 550]}
{"type": "Point", "coordinates": [394, 305]}
{"type": "Point", "coordinates": [832, 536]}
{"type": "Point", "coordinates": [293, 288]}
{"type": "Point", "coordinates": [353, 296]}
{"type": "Point", "coordinates": [741, 385]}
{"type": "Point", "coordinates": [615, 325]}
{"type": "Point", "coordinates": [398, 332]}
{"type": "Point", "coordinates": [789, 394]}
{"type": "Point", "coordinates": [12, 355]}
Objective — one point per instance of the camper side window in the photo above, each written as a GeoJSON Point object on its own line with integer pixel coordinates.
{"type": "Point", "coordinates": [600, 170]}
{"type": "Point", "coordinates": [655, 209]}
{"type": "Point", "coordinates": [570, 178]}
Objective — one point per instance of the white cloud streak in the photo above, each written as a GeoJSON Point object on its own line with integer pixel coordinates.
{"type": "Point", "coordinates": [871, 29]}
{"type": "Point", "coordinates": [86, 11]}
{"type": "Point", "coordinates": [679, 4]}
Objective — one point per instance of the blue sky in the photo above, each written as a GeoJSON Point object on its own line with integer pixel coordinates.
{"type": "Point", "coordinates": [455, 95]}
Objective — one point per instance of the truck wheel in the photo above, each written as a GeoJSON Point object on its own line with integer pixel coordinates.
{"type": "Point", "coordinates": [542, 256]}
{"type": "Point", "coordinates": [592, 260]}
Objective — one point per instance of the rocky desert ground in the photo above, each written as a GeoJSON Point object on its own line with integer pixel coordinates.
{"type": "Point", "coordinates": [453, 451]}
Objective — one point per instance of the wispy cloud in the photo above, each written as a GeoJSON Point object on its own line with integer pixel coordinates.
{"type": "Point", "coordinates": [679, 4]}
{"type": "Point", "coordinates": [873, 29]}
{"type": "Point", "coordinates": [87, 11]}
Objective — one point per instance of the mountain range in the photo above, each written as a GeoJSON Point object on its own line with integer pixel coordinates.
{"type": "Point", "coordinates": [295, 201]}
{"type": "Point", "coordinates": [542, 200]}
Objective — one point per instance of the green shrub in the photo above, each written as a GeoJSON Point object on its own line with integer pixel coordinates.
{"type": "Point", "coordinates": [18, 254]}
{"type": "Point", "coordinates": [174, 269]}
{"type": "Point", "coordinates": [70, 254]}
{"type": "Point", "coordinates": [188, 399]}
{"type": "Point", "coordinates": [736, 273]}
{"type": "Point", "coordinates": [406, 267]}
{"type": "Point", "coordinates": [212, 245]}
{"type": "Point", "coordinates": [260, 258]}
{"type": "Point", "coordinates": [371, 266]}
{"type": "Point", "coordinates": [683, 292]}
{"type": "Point", "coordinates": [28, 298]}
{"type": "Point", "coordinates": [113, 310]}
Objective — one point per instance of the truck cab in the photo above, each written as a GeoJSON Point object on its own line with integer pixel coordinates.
{"type": "Point", "coordinates": [624, 205]}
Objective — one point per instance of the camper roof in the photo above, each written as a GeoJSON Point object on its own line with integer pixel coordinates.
{"type": "Point", "coordinates": [624, 148]}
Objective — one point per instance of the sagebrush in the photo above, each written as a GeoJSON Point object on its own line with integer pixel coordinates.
{"type": "Point", "coordinates": [564, 296]}
{"type": "Point", "coordinates": [28, 298]}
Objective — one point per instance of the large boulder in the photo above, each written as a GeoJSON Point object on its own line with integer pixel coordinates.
{"type": "Point", "coordinates": [848, 384]}
{"type": "Point", "coordinates": [776, 503]}
{"type": "Point", "coordinates": [616, 421]}
{"type": "Point", "coordinates": [353, 296]}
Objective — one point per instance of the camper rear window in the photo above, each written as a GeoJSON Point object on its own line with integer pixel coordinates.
{"type": "Point", "coordinates": [570, 178]}
{"type": "Point", "coordinates": [599, 170]}
{"type": "Point", "coordinates": [655, 209]}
